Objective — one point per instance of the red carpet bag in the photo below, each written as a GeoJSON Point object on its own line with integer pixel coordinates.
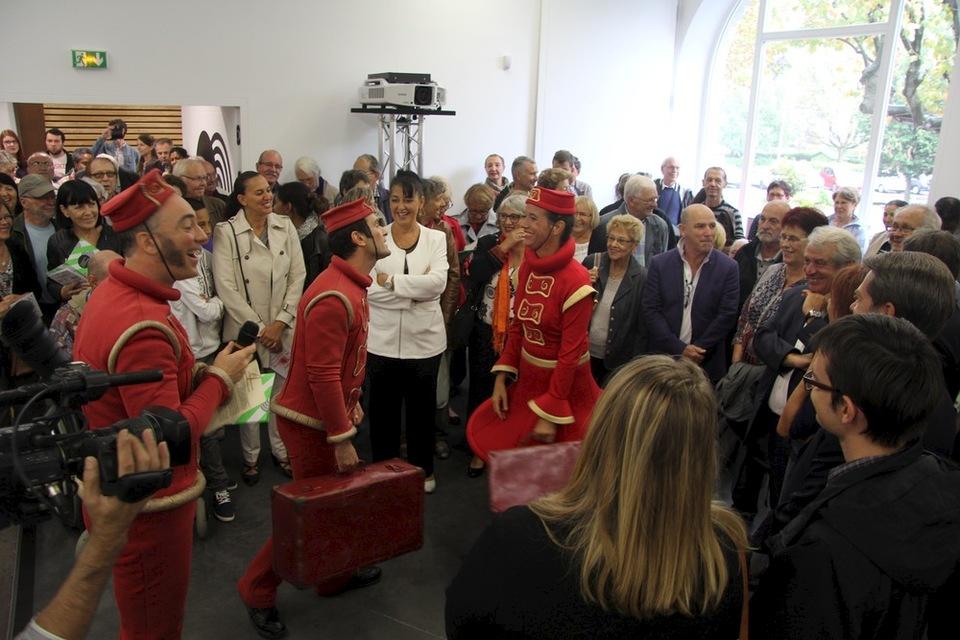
{"type": "Point", "coordinates": [330, 525]}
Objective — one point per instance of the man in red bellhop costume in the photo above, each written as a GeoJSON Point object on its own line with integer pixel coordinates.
{"type": "Point", "coordinates": [127, 326]}
{"type": "Point", "coordinates": [546, 350]}
{"type": "Point", "coordinates": [318, 409]}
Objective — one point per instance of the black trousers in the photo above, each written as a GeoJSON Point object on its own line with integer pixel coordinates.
{"type": "Point", "coordinates": [482, 359]}
{"type": "Point", "coordinates": [408, 385]}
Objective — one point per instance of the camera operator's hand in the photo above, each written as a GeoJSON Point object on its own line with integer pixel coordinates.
{"type": "Point", "coordinates": [110, 517]}
{"type": "Point", "coordinates": [233, 361]}
{"type": "Point", "coordinates": [70, 612]}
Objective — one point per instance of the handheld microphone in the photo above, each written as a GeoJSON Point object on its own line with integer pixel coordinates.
{"type": "Point", "coordinates": [248, 334]}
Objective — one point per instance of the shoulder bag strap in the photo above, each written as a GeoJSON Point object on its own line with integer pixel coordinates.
{"type": "Point", "coordinates": [243, 278]}
{"type": "Point", "coordinates": [745, 612]}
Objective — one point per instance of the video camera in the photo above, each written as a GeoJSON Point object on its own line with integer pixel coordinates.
{"type": "Point", "coordinates": [42, 453]}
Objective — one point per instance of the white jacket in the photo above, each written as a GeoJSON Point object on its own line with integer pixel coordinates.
{"type": "Point", "coordinates": [199, 310]}
{"type": "Point", "coordinates": [407, 322]}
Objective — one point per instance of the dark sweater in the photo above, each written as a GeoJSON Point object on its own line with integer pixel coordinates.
{"type": "Point", "coordinates": [516, 583]}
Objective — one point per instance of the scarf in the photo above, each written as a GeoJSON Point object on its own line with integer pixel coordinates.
{"type": "Point", "coordinates": [501, 308]}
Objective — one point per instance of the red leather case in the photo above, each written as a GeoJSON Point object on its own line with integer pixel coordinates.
{"type": "Point", "coordinates": [329, 525]}
{"type": "Point", "coordinates": [519, 476]}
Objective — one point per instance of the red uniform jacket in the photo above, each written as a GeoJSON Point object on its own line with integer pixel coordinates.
{"type": "Point", "coordinates": [552, 310]}
{"type": "Point", "coordinates": [329, 353]}
{"type": "Point", "coordinates": [122, 302]}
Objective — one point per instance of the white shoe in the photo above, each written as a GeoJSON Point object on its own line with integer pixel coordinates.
{"type": "Point", "coordinates": [430, 484]}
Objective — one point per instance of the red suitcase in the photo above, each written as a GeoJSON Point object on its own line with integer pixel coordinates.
{"type": "Point", "coordinates": [520, 476]}
{"type": "Point", "coordinates": [329, 525]}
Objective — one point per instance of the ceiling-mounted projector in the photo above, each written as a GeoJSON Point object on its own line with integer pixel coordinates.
{"type": "Point", "coordinates": [402, 90]}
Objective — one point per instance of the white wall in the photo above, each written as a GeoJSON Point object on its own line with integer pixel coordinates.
{"type": "Point", "coordinates": [606, 68]}
{"type": "Point", "coordinates": [294, 69]}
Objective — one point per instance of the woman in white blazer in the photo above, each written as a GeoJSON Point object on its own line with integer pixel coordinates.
{"type": "Point", "coordinates": [259, 271]}
{"type": "Point", "coordinates": [407, 334]}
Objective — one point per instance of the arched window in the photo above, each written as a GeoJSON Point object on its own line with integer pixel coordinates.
{"type": "Point", "coordinates": [827, 94]}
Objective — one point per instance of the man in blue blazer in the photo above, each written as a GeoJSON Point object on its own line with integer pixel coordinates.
{"type": "Point", "coordinates": [690, 297]}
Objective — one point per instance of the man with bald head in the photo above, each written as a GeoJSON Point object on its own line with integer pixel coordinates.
{"type": "Point", "coordinates": [640, 201]}
{"type": "Point", "coordinates": [910, 219]}
{"type": "Point", "coordinates": [690, 296]}
{"type": "Point", "coordinates": [671, 197]}
{"type": "Point", "coordinates": [269, 165]}
{"type": "Point", "coordinates": [763, 251]}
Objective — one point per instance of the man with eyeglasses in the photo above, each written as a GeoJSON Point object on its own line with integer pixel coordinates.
{"type": "Point", "coordinates": [104, 170]}
{"type": "Point", "coordinates": [783, 344]}
{"type": "Point", "coordinates": [269, 165]}
{"type": "Point", "coordinates": [690, 297]}
{"type": "Point", "coordinates": [640, 201]}
{"type": "Point", "coordinates": [876, 553]}
{"type": "Point", "coordinates": [910, 285]}
{"type": "Point", "coordinates": [34, 228]}
{"type": "Point", "coordinates": [910, 219]}
{"type": "Point", "coordinates": [193, 172]}
{"type": "Point", "coordinates": [40, 164]}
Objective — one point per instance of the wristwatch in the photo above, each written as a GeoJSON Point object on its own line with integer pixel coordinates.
{"type": "Point", "coordinates": [815, 313]}
{"type": "Point", "coordinates": [388, 285]}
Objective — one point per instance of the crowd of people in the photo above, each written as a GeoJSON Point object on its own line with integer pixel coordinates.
{"type": "Point", "coordinates": [681, 343]}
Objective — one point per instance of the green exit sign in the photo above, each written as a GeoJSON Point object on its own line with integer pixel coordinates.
{"type": "Point", "coordinates": [83, 59]}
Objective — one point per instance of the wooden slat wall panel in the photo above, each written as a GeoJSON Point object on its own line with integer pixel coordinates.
{"type": "Point", "coordinates": [83, 123]}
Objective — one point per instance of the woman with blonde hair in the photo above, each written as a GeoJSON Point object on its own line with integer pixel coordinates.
{"type": "Point", "coordinates": [584, 223]}
{"type": "Point", "coordinates": [634, 545]}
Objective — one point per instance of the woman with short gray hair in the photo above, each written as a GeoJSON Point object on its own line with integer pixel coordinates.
{"type": "Point", "coordinates": [845, 201]}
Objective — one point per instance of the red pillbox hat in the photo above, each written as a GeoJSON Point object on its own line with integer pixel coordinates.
{"type": "Point", "coordinates": [346, 214]}
{"type": "Point", "coordinates": [554, 201]}
{"type": "Point", "coordinates": [134, 205]}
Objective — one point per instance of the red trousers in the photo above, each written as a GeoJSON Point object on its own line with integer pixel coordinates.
{"type": "Point", "coordinates": [310, 456]}
{"type": "Point", "coordinates": [151, 575]}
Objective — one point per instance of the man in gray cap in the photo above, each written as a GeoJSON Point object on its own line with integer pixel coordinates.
{"type": "Point", "coordinates": [35, 227]}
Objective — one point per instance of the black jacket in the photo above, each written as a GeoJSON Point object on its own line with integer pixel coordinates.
{"type": "Point", "coordinates": [24, 275]}
{"type": "Point", "coordinates": [876, 555]}
{"type": "Point", "coordinates": [516, 583]}
{"type": "Point", "coordinates": [316, 253]}
{"type": "Point", "coordinates": [747, 261]}
{"type": "Point", "coordinates": [627, 334]}
{"type": "Point", "coordinates": [63, 242]}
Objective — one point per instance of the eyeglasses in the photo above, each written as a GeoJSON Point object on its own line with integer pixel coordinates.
{"type": "Point", "coordinates": [901, 228]}
{"type": "Point", "coordinates": [6, 218]}
{"type": "Point", "coordinates": [197, 178]}
{"type": "Point", "coordinates": [786, 238]}
{"type": "Point", "coordinates": [100, 175]}
{"type": "Point", "coordinates": [271, 165]}
{"type": "Point", "coordinates": [623, 242]}
{"type": "Point", "coordinates": [809, 382]}
{"type": "Point", "coordinates": [511, 217]}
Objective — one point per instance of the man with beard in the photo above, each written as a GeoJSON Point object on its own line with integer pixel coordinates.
{"type": "Point", "coordinates": [127, 326]}
{"type": "Point", "coordinates": [318, 409]}
{"type": "Point", "coordinates": [764, 250]}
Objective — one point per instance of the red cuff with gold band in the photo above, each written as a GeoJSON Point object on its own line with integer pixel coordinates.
{"type": "Point", "coordinates": [561, 202]}
{"type": "Point", "coordinates": [134, 205]}
{"type": "Point", "coordinates": [346, 214]}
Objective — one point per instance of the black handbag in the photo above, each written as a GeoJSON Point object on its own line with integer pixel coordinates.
{"type": "Point", "coordinates": [462, 324]}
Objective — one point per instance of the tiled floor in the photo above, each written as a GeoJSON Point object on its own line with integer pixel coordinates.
{"type": "Point", "coordinates": [406, 604]}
